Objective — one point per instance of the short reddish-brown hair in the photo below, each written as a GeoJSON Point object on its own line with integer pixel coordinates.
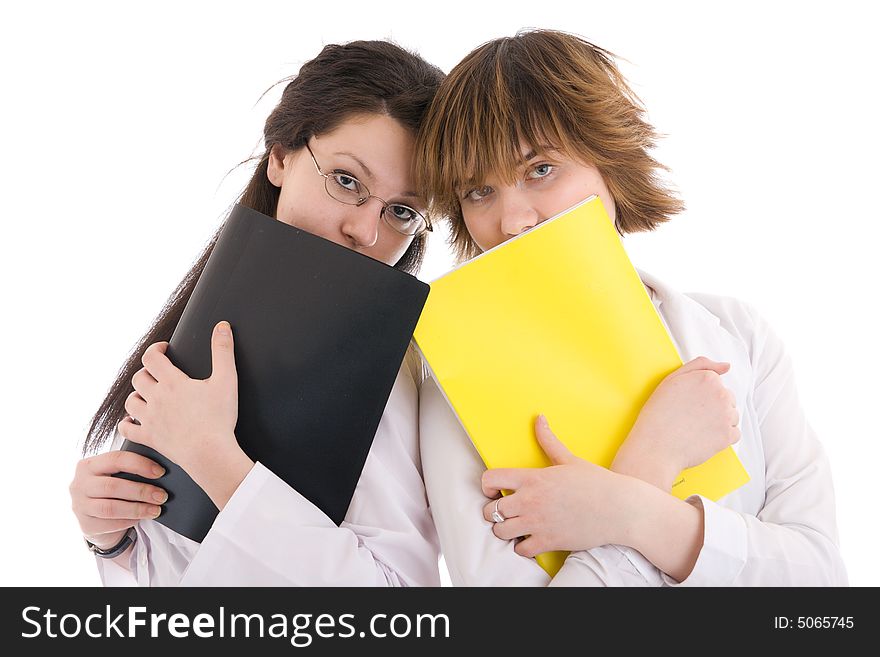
{"type": "Point", "coordinates": [540, 88]}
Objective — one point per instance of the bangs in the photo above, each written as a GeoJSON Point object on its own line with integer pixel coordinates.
{"type": "Point", "coordinates": [482, 124]}
{"type": "Point", "coordinates": [537, 91]}
{"type": "Point", "coordinates": [481, 155]}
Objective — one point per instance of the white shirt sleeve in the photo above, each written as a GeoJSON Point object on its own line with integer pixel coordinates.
{"type": "Point", "coordinates": [792, 539]}
{"type": "Point", "coordinates": [474, 555]}
{"type": "Point", "coordinates": [158, 558]}
{"type": "Point", "coordinates": [270, 535]}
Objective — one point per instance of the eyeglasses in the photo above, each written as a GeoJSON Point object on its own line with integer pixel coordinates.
{"type": "Point", "coordinates": [347, 189]}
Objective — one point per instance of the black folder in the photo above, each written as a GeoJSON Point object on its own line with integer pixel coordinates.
{"type": "Point", "coordinates": [320, 333]}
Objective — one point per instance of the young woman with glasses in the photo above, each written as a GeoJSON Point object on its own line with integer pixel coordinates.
{"type": "Point", "coordinates": [521, 129]}
{"type": "Point", "coordinates": [337, 163]}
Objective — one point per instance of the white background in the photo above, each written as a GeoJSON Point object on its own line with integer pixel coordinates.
{"type": "Point", "coordinates": [120, 122]}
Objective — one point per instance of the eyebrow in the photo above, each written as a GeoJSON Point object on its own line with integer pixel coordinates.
{"type": "Point", "coordinates": [359, 161]}
{"type": "Point", "coordinates": [370, 173]}
{"type": "Point", "coordinates": [541, 150]}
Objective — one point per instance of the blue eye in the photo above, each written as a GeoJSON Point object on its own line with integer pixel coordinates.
{"type": "Point", "coordinates": [541, 171]}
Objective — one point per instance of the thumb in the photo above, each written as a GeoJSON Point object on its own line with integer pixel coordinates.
{"type": "Point", "coordinates": [553, 447]}
{"type": "Point", "coordinates": [222, 352]}
{"type": "Point", "coordinates": [703, 363]}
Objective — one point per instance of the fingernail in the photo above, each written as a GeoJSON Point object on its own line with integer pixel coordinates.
{"type": "Point", "coordinates": [160, 496]}
{"type": "Point", "coordinates": [543, 420]}
{"type": "Point", "coordinates": [157, 512]}
{"type": "Point", "coordinates": [223, 328]}
{"type": "Point", "coordinates": [158, 470]}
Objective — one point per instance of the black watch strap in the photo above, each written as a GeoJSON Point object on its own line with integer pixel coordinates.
{"type": "Point", "coordinates": [129, 538]}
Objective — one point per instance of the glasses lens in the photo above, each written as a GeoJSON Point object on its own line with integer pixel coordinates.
{"type": "Point", "coordinates": [404, 219]}
{"type": "Point", "coordinates": [345, 188]}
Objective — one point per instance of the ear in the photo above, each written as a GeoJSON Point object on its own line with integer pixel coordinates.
{"type": "Point", "coordinates": [275, 171]}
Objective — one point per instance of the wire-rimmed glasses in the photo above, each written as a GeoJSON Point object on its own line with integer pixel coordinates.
{"type": "Point", "coordinates": [347, 189]}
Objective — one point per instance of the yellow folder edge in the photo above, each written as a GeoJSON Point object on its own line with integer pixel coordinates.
{"type": "Point", "coordinates": [476, 386]}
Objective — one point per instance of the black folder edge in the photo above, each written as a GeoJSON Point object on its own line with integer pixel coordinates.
{"type": "Point", "coordinates": [200, 521]}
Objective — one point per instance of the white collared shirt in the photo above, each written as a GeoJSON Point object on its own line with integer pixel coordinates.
{"type": "Point", "coordinates": [270, 535]}
{"type": "Point", "coordinates": [778, 529]}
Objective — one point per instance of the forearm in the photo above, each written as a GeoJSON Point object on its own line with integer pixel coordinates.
{"type": "Point", "coordinates": [745, 550]}
{"type": "Point", "coordinates": [158, 557]}
{"type": "Point", "coordinates": [220, 472]}
{"type": "Point", "coordinates": [270, 535]}
{"type": "Point", "coordinates": [117, 571]}
{"type": "Point", "coordinates": [663, 528]}
{"type": "Point", "coordinates": [647, 467]}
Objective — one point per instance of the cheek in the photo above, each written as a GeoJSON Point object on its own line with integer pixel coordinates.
{"type": "Point", "coordinates": [600, 189]}
{"type": "Point", "coordinates": [303, 211]}
{"type": "Point", "coordinates": [485, 232]}
{"type": "Point", "coordinates": [286, 210]}
{"type": "Point", "coordinates": [577, 188]}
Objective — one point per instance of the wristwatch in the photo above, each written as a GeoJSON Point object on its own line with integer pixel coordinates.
{"type": "Point", "coordinates": [129, 538]}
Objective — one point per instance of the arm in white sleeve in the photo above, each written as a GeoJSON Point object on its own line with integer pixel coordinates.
{"type": "Point", "coordinates": [474, 555]}
{"type": "Point", "coordinates": [270, 535]}
{"type": "Point", "coordinates": [114, 573]}
{"type": "Point", "coordinates": [792, 539]}
{"type": "Point", "coordinates": [158, 557]}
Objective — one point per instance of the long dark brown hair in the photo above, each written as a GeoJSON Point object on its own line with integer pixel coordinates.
{"type": "Point", "coordinates": [361, 77]}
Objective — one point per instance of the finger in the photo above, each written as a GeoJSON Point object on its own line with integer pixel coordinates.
{"type": "Point", "coordinates": [110, 509]}
{"type": "Point", "coordinates": [507, 506]}
{"type": "Point", "coordinates": [222, 353]}
{"type": "Point", "coordinates": [703, 363]}
{"type": "Point", "coordinates": [733, 417]}
{"type": "Point", "coordinates": [735, 435]}
{"type": "Point", "coordinates": [144, 383]}
{"type": "Point", "coordinates": [554, 448]}
{"type": "Point", "coordinates": [122, 460]}
{"type": "Point", "coordinates": [731, 398]}
{"type": "Point", "coordinates": [529, 547]}
{"type": "Point", "coordinates": [92, 528]}
{"type": "Point", "coordinates": [133, 432]}
{"type": "Point", "coordinates": [123, 489]}
{"type": "Point", "coordinates": [497, 479]}
{"type": "Point", "coordinates": [157, 363]}
{"type": "Point", "coordinates": [135, 405]}
{"type": "Point", "coordinates": [510, 529]}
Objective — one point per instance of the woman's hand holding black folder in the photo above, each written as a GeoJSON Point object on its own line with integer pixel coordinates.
{"type": "Point", "coordinates": [191, 421]}
{"type": "Point", "coordinates": [320, 335]}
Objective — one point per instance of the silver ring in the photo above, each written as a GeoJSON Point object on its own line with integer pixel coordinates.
{"type": "Point", "coordinates": [496, 514]}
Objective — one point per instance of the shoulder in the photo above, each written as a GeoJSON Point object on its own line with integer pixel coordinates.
{"type": "Point", "coordinates": [747, 325]}
{"type": "Point", "coordinates": [734, 314]}
{"type": "Point", "coordinates": [702, 312]}
{"type": "Point", "coordinates": [694, 319]}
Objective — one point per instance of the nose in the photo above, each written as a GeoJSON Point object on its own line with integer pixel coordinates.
{"type": "Point", "coordinates": [517, 212]}
{"type": "Point", "coordinates": [361, 223]}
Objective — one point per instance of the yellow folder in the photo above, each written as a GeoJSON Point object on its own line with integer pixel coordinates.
{"type": "Point", "coordinates": [555, 321]}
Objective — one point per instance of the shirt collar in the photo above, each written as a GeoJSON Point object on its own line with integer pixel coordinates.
{"type": "Point", "coordinates": [696, 330]}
